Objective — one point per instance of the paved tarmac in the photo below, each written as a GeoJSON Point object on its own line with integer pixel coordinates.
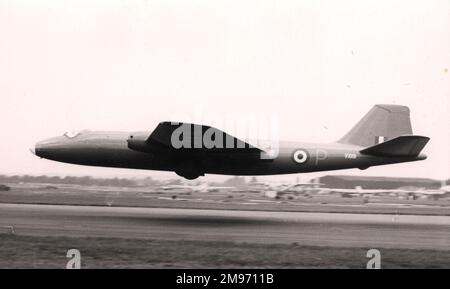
{"type": "Point", "coordinates": [322, 229]}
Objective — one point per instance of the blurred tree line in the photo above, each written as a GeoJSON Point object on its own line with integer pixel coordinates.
{"type": "Point", "coordinates": [85, 180]}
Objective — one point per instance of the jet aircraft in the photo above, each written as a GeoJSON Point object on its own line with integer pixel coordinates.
{"type": "Point", "coordinates": [383, 136]}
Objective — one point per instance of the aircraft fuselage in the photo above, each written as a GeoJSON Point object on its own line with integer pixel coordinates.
{"type": "Point", "coordinates": [111, 149]}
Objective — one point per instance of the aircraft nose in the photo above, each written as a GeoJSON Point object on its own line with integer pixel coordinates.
{"type": "Point", "coordinates": [46, 147]}
{"type": "Point", "coordinates": [37, 149]}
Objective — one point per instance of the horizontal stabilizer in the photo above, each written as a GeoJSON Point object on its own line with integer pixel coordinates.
{"type": "Point", "coordinates": [402, 146]}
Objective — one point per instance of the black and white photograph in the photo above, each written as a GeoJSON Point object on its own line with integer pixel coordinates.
{"type": "Point", "coordinates": [241, 136]}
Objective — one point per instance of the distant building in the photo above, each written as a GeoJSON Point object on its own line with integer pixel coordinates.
{"type": "Point", "coordinates": [350, 182]}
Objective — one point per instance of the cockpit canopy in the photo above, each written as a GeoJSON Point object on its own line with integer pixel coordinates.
{"type": "Point", "coordinates": [73, 134]}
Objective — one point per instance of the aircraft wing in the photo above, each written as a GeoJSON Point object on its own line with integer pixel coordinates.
{"type": "Point", "coordinates": [186, 139]}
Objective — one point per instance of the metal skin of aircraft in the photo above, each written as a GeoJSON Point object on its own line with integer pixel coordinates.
{"type": "Point", "coordinates": [383, 136]}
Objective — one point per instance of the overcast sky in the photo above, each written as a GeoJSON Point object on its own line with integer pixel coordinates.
{"type": "Point", "coordinates": [318, 66]}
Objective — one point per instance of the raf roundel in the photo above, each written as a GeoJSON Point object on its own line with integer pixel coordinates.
{"type": "Point", "coordinates": [300, 156]}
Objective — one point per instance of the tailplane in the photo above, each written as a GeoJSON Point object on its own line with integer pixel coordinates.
{"type": "Point", "coordinates": [382, 123]}
{"type": "Point", "coordinates": [402, 146]}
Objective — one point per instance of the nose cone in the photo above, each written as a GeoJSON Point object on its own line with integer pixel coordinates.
{"type": "Point", "coordinates": [37, 149]}
{"type": "Point", "coordinates": [47, 148]}
{"type": "Point", "coordinates": [40, 148]}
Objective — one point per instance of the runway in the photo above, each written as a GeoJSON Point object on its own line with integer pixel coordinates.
{"type": "Point", "coordinates": [318, 229]}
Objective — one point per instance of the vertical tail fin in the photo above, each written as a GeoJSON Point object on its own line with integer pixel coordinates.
{"type": "Point", "coordinates": [383, 122]}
